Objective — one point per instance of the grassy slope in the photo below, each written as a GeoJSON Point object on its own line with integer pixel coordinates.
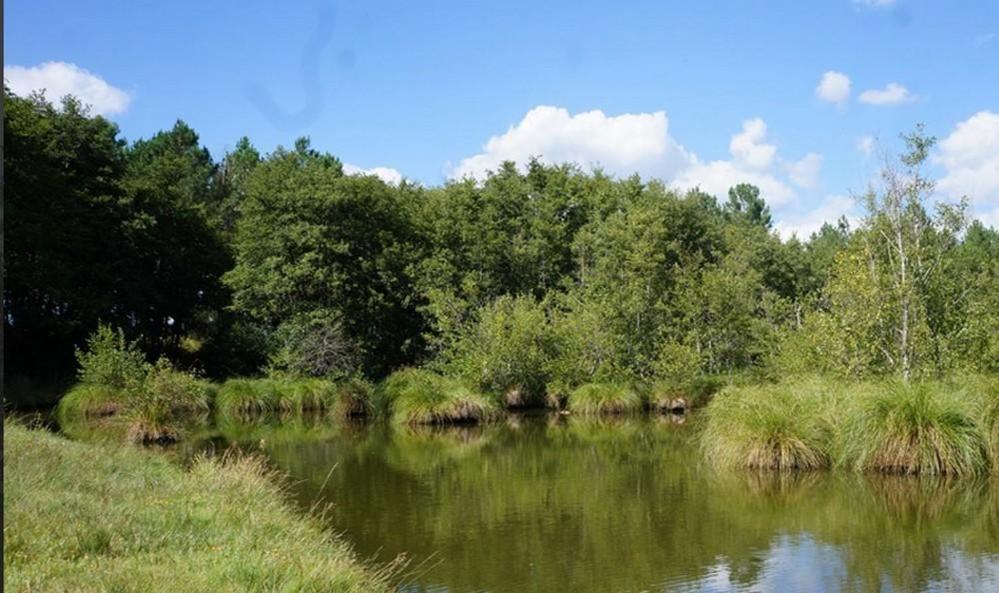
{"type": "Point", "coordinates": [81, 517]}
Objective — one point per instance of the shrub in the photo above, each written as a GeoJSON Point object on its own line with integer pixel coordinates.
{"type": "Point", "coordinates": [110, 360]}
{"type": "Point", "coordinates": [781, 427]}
{"type": "Point", "coordinates": [604, 398]}
{"type": "Point", "coordinates": [315, 345]}
{"type": "Point", "coordinates": [914, 429]}
{"type": "Point", "coordinates": [416, 396]}
{"type": "Point", "coordinates": [154, 408]}
{"type": "Point", "coordinates": [508, 351]}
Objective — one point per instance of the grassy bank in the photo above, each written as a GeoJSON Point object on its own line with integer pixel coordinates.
{"type": "Point", "coordinates": [942, 428]}
{"type": "Point", "coordinates": [82, 517]}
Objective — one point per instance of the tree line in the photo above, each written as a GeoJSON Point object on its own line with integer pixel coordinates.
{"type": "Point", "coordinates": [529, 282]}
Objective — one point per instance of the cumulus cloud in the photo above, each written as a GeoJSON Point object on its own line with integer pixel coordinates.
{"type": "Point", "coordinates": [866, 145]}
{"type": "Point", "coordinates": [892, 94]}
{"type": "Point", "coordinates": [717, 177]}
{"type": "Point", "coordinates": [749, 147]}
{"type": "Point", "coordinates": [58, 79]}
{"type": "Point", "coordinates": [834, 87]}
{"type": "Point", "coordinates": [386, 174]}
{"type": "Point", "coordinates": [640, 143]}
{"type": "Point", "coordinates": [803, 224]}
{"type": "Point", "coordinates": [970, 158]}
{"type": "Point", "coordinates": [622, 144]}
{"type": "Point", "coordinates": [752, 160]}
{"type": "Point", "coordinates": [805, 172]}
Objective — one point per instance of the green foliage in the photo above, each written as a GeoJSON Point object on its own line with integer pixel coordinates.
{"type": "Point", "coordinates": [783, 427]}
{"type": "Point", "coordinates": [508, 351]}
{"type": "Point", "coordinates": [914, 429]}
{"type": "Point", "coordinates": [604, 398]}
{"type": "Point", "coordinates": [315, 344]}
{"type": "Point", "coordinates": [111, 361]}
{"type": "Point", "coordinates": [528, 283]}
{"type": "Point", "coordinates": [310, 239]}
{"type": "Point", "coordinates": [417, 396]}
{"type": "Point", "coordinates": [745, 204]}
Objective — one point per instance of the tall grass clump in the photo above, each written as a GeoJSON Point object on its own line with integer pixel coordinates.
{"type": "Point", "coordinates": [604, 398]}
{"type": "Point", "coordinates": [88, 400]}
{"type": "Point", "coordinates": [923, 428]}
{"type": "Point", "coordinates": [417, 396]}
{"type": "Point", "coordinates": [86, 517]}
{"type": "Point", "coordinates": [780, 427]}
{"type": "Point", "coordinates": [248, 397]}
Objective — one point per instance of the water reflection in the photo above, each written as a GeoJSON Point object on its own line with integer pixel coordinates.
{"type": "Point", "coordinates": [549, 503]}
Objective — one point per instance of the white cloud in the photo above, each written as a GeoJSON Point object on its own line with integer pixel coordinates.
{"type": "Point", "coordinates": [866, 145]}
{"type": "Point", "coordinates": [386, 174]}
{"type": "Point", "coordinates": [752, 160]}
{"type": "Point", "coordinates": [834, 87]}
{"type": "Point", "coordinates": [748, 147]}
{"type": "Point", "coordinates": [893, 94]}
{"type": "Point", "coordinates": [640, 143]}
{"type": "Point", "coordinates": [970, 158]}
{"type": "Point", "coordinates": [622, 144]}
{"type": "Point", "coordinates": [717, 177]}
{"type": "Point", "coordinates": [59, 79]}
{"type": "Point", "coordinates": [805, 172]}
{"type": "Point", "coordinates": [804, 224]}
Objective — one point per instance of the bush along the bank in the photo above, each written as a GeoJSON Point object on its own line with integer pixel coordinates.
{"type": "Point", "coordinates": [780, 427]}
{"type": "Point", "coordinates": [248, 397]}
{"type": "Point", "coordinates": [116, 382]}
{"type": "Point", "coordinates": [417, 396]}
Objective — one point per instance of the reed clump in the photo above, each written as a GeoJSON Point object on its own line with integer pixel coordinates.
{"type": "Point", "coordinates": [604, 398]}
{"type": "Point", "coordinates": [781, 427]}
{"type": "Point", "coordinates": [926, 428]}
{"type": "Point", "coordinates": [418, 396]}
{"type": "Point", "coordinates": [282, 395]}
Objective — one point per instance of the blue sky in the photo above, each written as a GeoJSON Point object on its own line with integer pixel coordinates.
{"type": "Point", "coordinates": [704, 93]}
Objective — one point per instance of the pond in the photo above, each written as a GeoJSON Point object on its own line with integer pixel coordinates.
{"type": "Point", "coordinates": [548, 503]}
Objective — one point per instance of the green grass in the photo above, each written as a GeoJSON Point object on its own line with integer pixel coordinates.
{"type": "Point", "coordinates": [86, 518]}
{"type": "Point", "coordinates": [925, 428]}
{"type": "Point", "coordinates": [604, 398]}
{"type": "Point", "coordinates": [87, 400]}
{"type": "Point", "coordinates": [417, 396]}
{"type": "Point", "coordinates": [284, 395]}
{"type": "Point", "coordinates": [780, 427]}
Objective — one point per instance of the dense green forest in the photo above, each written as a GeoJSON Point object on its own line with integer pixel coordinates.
{"type": "Point", "coordinates": [527, 284]}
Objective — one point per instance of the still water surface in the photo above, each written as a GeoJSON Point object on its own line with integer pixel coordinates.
{"type": "Point", "coordinates": [543, 504]}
